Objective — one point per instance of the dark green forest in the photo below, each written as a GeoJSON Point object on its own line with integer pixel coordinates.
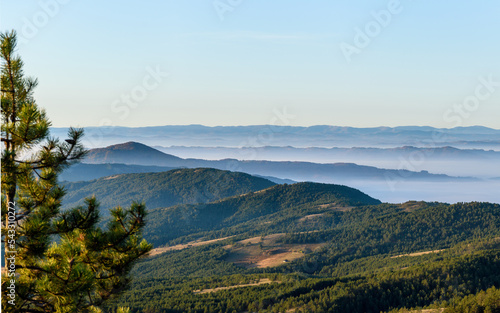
{"type": "Point", "coordinates": [440, 282]}
{"type": "Point", "coordinates": [355, 254]}
{"type": "Point", "coordinates": [275, 209]}
{"type": "Point", "coordinates": [164, 189]}
{"type": "Point", "coordinates": [364, 263]}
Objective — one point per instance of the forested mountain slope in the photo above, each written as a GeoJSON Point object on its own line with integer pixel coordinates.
{"type": "Point", "coordinates": [373, 258]}
{"type": "Point", "coordinates": [164, 189]}
{"type": "Point", "coordinates": [273, 209]}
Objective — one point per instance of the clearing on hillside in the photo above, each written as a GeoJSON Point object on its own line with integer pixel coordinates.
{"type": "Point", "coordinates": [262, 252]}
{"type": "Point", "coordinates": [161, 250]}
{"type": "Point", "coordinates": [263, 281]}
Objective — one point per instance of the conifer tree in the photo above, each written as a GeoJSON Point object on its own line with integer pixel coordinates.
{"type": "Point", "coordinates": [54, 260]}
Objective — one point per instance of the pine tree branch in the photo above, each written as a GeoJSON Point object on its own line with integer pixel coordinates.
{"type": "Point", "coordinates": [40, 176]}
{"type": "Point", "coordinates": [11, 78]}
{"type": "Point", "coordinates": [122, 239]}
{"type": "Point", "coordinates": [107, 256]}
{"type": "Point", "coordinates": [80, 224]}
{"type": "Point", "coordinates": [28, 162]}
{"type": "Point", "coordinates": [37, 268]}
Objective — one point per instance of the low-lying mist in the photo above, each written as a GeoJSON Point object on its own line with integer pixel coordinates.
{"type": "Point", "coordinates": [449, 192]}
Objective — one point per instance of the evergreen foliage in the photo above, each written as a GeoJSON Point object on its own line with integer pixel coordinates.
{"type": "Point", "coordinates": [55, 261]}
{"type": "Point", "coordinates": [483, 302]}
{"type": "Point", "coordinates": [446, 281]}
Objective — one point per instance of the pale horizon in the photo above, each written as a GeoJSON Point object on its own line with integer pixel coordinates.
{"type": "Point", "coordinates": [265, 125]}
{"type": "Point", "coordinates": [363, 64]}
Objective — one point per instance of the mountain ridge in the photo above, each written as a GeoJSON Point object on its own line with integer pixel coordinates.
{"type": "Point", "coordinates": [163, 189]}
{"type": "Point", "coordinates": [231, 214]}
{"type": "Point", "coordinates": [134, 150]}
{"type": "Point", "coordinates": [295, 170]}
{"type": "Point", "coordinates": [302, 136]}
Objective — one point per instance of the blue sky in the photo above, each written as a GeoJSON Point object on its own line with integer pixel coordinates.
{"type": "Point", "coordinates": [248, 62]}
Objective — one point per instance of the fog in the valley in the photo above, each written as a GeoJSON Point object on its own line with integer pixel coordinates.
{"type": "Point", "coordinates": [470, 155]}
{"type": "Point", "coordinates": [449, 161]}
{"type": "Point", "coordinates": [449, 192]}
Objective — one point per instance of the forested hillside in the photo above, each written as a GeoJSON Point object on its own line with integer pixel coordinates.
{"type": "Point", "coordinates": [271, 210]}
{"type": "Point", "coordinates": [366, 263]}
{"type": "Point", "coordinates": [232, 242]}
{"type": "Point", "coordinates": [164, 189]}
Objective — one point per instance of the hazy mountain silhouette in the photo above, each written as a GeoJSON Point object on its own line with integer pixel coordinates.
{"type": "Point", "coordinates": [139, 154]}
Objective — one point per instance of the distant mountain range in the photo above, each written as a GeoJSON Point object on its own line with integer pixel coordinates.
{"type": "Point", "coordinates": [313, 136]}
{"type": "Point", "coordinates": [444, 160]}
{"type": "Point", "coordinates": [315, 154]}
{"type": "Point", "coordinates": [391, 183]}
{"type": "Point", "coordinates": [139, 154]}
{"type": "Point", "coordinates": [84, 171]}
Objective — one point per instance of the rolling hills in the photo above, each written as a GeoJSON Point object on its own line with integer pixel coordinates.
{"type": "Point", "coordinates": [351, 259]}
{"type": "Point", "coordinates": [269, 210]}
{"type": "Point", "coordinates": [232, 242]}
{"type": "Point", "coordinates": [228, 241]}
{"type": "Point", "coordinates": [391, 185]}
{"type": "Point", "coordinates": [164, 189]}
